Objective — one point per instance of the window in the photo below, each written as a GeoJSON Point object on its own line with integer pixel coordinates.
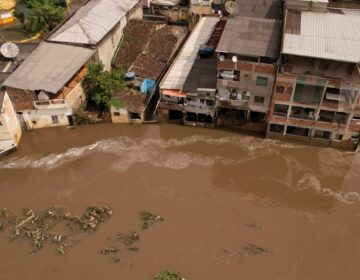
{"type": "Point", "coordinates": [333, 117]}
{"type": "Point", "coordinates": [302, 113]}
{"type": "Point", "coordinates": [188, 99]}
{"type": "Point", "coordinates": [280, 89]}
{"type": "Point", "coordinates": [321, 134]}
{"type": "Point", "coordinates": [332, 95]}
{"type": "Point", "coordinates": [117, 114]}
{"type": "Point", "coordinates": [308, 93]}
{"type": "Point", "coordinates": [298, 131]}
{"type": "Point", "coordinates": [259, 99]}
{"type": "Point", "coordinates": [277, 128]}
{"type": "Point", "coordinates": [210, 103]}
{"type": "Point", "coordinates": [202, 101]}
{"type": "Point", "coordinates": [356, 118]}
{"type": "Point", "coordinates": [280, 110]}
{"type": "Point", "coordinates": [338, 137]}
{"type": "Point", "coordinates": [55, 119]}
{"type": "Point", "coordinates": [261, 81]}
{"type": "Point", "coordinates": [1, 123]}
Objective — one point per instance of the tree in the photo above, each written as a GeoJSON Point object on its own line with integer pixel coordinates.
{"type": "Point", "coordinates": [102, 85]}
{"type": "Point", "coordinates": [40, 15]}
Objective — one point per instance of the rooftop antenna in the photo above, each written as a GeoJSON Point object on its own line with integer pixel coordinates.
{"type": "Point", "coordinates": [9, 50]}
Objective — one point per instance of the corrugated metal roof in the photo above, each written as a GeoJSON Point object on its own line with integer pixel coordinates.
{"type": "Point", "coordinates": [251, 37]}
{"type": "Point", "coordinates": [49, 67]}
{"type": "Point", "coordinates": [92, 22]}
{"type": "Point", "coordinates": [271, 9]}
{"type": "Point", "coordinates": [178, 72]}
{"type": "Point", "coordinates": [331, 35]}
{"type": "Point", "coordinates": [165, 2]}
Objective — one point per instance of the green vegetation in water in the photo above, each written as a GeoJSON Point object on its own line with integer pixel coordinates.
{"type": "Point", "coordinates": [149, 219]}
{"type": "Point", "coordinates": [110, 250]}
{"type": "Point", "coordinates": [37, 227]}
{"type": "Point", "coordinates": [102, 86]}
{"type": "Point", "coordinates": [167, 275]}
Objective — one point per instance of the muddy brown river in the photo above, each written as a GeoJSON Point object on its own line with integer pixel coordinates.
{"type": "Point", "coordinates": [220, 193]}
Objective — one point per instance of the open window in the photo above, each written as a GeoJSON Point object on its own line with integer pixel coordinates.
{"type": "Point", "coordinates": [280, 110]}
{"type": "Point", "coordinates": [302, 113]}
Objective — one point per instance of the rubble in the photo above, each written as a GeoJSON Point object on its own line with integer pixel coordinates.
{"type": "Point", "coordinates": [148, 219]}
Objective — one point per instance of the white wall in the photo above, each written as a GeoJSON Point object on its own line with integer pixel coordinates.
{"type": "Point", "coordinates": [10, 129]}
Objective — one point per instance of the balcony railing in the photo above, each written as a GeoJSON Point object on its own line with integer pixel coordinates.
{"type": "Point", "coordinates": [280, 114]}
{"type": "Point", "coordinates": [303, 117]}
{"type": "Point", "coordinates": [50, 104]}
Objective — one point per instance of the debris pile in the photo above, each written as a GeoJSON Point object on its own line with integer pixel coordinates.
{"type": "Point", "coordinates": [167, 275]}
{"type": "Point", "coordinates": [37, 228]}
{"type": "Point", "coordinates": [148, 219]}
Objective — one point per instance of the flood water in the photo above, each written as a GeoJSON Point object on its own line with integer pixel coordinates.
{"type": "Point", "coordinates": [217, 191]}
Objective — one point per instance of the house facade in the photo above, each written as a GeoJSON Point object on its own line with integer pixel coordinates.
{"type": "Point", "coordinates": [172, 94]}
{"type": "Point", "coordinates": [98, 24]}
{"type": "Point", "coordinates": [10, 129]}
{"type": "Point", "coordinates": [247, 64]}
{"type": "Point", "coordinates": [47, 88]}
{"type": "Point", "coordinates": [316, 94]}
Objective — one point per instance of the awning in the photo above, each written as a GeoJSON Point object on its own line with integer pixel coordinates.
{"type": "Point", "coordinates": [173, 93]}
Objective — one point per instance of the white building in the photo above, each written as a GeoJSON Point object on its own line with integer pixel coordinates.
{"type": "Point", "coordinates": [98, 24]}
{"type": "Point", "coordinates": [10, 130]}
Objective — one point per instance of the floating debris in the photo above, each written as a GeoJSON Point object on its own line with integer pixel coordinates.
{"type": "Point", "coordinates": [167, 275]}
{"type": "Point", "coordinates": [110, 250]}
{"type": "Point", "coordinates": [61, 249]}
{"type": "Point", "coordinates": [92, 217]}
{"type": "Point", "coordinates": [253, 226]}
{"type": "Point", "coordinates": [255, 250]}
{"type": "Point", "coordinates": [148, 219]}
{"type": "Point", "coordinates": [134, 249]}
{"type": "Point", "coordinates": [36, 227]}
{"type": "Point", "coordinates": [129, 239]}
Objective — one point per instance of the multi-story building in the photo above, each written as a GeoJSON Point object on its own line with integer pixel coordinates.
{"type": "Point", "coordinates": [248, 54]}
{"type": "Point", "coordinates": [171, 107]}
{"type": "Point", "coordinates": [200, 85]}
{"type": "Point", "coordinates": [316, 94]}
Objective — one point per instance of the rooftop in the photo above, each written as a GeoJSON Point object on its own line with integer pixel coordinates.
{"type": "Point", "coordinates": [331, 35]}
{"type": "Point", "coordinates": [147, 47]}
{"type": "Point", "coordinates": [49, 67]}
{"type": "Point", "coordinates": [180, 69]}
{"type": "Point", "coordinates": [202, 75]}
{"type": "Point", "coordinates": [92, 22]}
{"type": "Point", "coordinates": [133, 100]}
{"type": "Point", "coordinates": [251, 37]}
{"type": "Point", "coordinates": [170, 3]}
{"type": "Point", "coordinates": [270, 9]}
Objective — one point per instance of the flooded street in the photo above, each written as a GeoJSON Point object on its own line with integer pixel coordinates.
{"type": "Point", "coordinates": [221, 195]}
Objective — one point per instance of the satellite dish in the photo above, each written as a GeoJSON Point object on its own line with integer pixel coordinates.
{"type": "Point", "coordinates": [231, 7]}
{"type": "Point", "coordinates": [222, 57]}
{"type": "Point", "coordinates": [234, 59]}
{"type": "Point", "coordinates": [9, 50]}
{"type": "Point", "coordinates": [213, 11]}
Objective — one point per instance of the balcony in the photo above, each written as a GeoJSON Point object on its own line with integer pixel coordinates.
{"type": "Point", "coordinates": [196, 108]}
{"type": "Point", "coordinates": [50, 104]}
